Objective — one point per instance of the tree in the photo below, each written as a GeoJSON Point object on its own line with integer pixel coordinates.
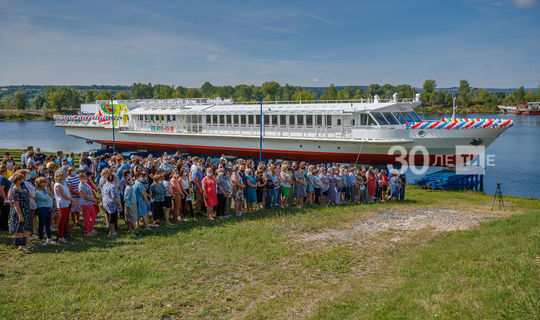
{"type": "Point", "coordinates": [519, 94]}
{"type": "Point", "coordinates": [242, 93]}
{"type": "Point", "coordinates": [161, 91]}
{"type": "Point", "coordinates": [90, 96]}
{"type": "Point", "coordinates": [225, 92]}
{"type": "Point", "coordinates": [63, 97]}
{"type": "Point", "coordinates": [429, 86]}
{"type": "Point", "coordinates": [104, 95]}
{"type": "Point", "coordinates": [463, 92]}
{"type": "Point", "coordinates": [345, 94]}
{"type": "Point", "coordinates": [39, 102]}
{"type": "Point", "coordinates": [207, 90]}
{"type": "Point", "coordinates": [484, 97]}
{"type": "Point", "coordinates": [372, 90]}
{"type": "Point", "coordinates": [330, 94]}
{"type": "Point", "coordinates": [441, 97]}
{"type": "Point", "coordinates": [358, 94]}
{"type": "Point", "coordinates": [142, 91]}
{"type": "Point", "coordinates": [193, 93]}
{"type": "Point", "coordinates": [404, 91]}
{"type": "Point", "coordinates": [179, 92]}
{"type": "Point", "coordinates": [304, 95]}
{"type": "Point", "coordinates": [20, 100]}
{"type": "Point", "coordinates": [121, 95]}
{"type": "Point", "coordinates": [270, 89]}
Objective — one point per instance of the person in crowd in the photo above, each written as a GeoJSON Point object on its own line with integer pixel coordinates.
{"type": "Point", "coordinates": [269, 187]}
{"type": "Point", "coordinates": [143, 199]}
{"type": "Point", "coordinates": [196, 179]}
{"type": "Point", "coordinates": [20, 216]}
{"type": "Point", "coordinates": [209, 193]}
{"type": "Point", "coordinates": [261, 182]}
{"type": "Point", "coordinates": [310, 188]}
{"type": "Point", "coordinates": [384, 184]}
{"type": "Point", "coordinates": [333, 194]}
{"type": "Point", "coordinates": [157, 198]}
{"type": "Point", "coordinates": [251, 187]}
{"type": "Point", "coordinates": [187, 202]}
{"type": "Point", "coordinates": [221, 180]}
{"type": "Point", "coordinates": [110, 197]}
{"type": "Point", "coordinates": [403, 184]}
{"type": "Point", "coordinates": [239, 186]}
{"type": "Point", "coordinates": [324, 185]}
{"type": "Point", "coordinates": [285, 185]}
{"type": "Point", "coordinates": [167, 202]}
{"type": "Point", "coordinates": [5, 185]}
{"type": "Point", "coordinates": [229, 192]}
{"type": "Point", "coordinates": [371, 184]}
{"type": "Point", "coordinates": [130, 204]}
{"type": "Point", "coordinates": [88, 203]}
{"type": "Point", "coordinates": [362, 193]}
{"type": "Point", "coordinates": [63, 202]}
{"type": "Point", "coordinates": [394, 186]}
{"type": "Point", "coordinates": [73, 185]}
{"type": "Point", "coordinates": [44, 204]}
{"type": "Point", "coordinates": [317, 186]}
{"type": "Point", "coordinates": [177, 193]}
{"type": "Point", "coordinates": [353, 185]}
{"type": "Point", "coordinates": [299, 186]}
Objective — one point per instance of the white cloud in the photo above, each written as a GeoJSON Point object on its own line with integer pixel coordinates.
{"type": "Point", "coordinates": [525, 3]}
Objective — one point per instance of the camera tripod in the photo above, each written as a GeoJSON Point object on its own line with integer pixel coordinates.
{"type": "Point", "coordinates": [498, 197]}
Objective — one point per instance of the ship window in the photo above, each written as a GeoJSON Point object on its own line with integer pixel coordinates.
{"type": "Point", "coordinates": [309, 120]}
{"type": "Point", "coordinates": [235, 119]}
{"type": "Point", "coordinates": [257, 119]}
{"type": "Point", "coordinates": [415, 116]}
{"type": "Point", "coordinates": [208, 119]}
{"type": "Point", "coordinates": [400, 117]}
{"type": "Point", "coordinates": [243, 119]}
{"type": "Point", "coordinates": [291, 120]}
{"type": "Point", "coordinates": [328, 120]}
{"type": "Point", "coordinates": [390, 118]}
{"type": "Point", "coordinates": [282, 120]}
{"type": "Point", "coordinates": [228, 119]}
{"type": "Point", "coordinates": [274, 120]}
{"type": "Point", "coordinates": [266, 119]}
{"type": "Point", "coordinates": [214, 119]}
{"type": "Point", "coordinates": [353, 122]}
{"type": "Point", "coordinates": [300, 120]}
{"type": "Point", "coordinates": [379, 118]}
{"type": "Point", "coordinates": [173, 118]}
{"type": "Point", "coordinates": [338, 122]}
{"type": "Point", "coordinates": [221, 119]}
{"type": "Point", "coordinates": [318, 120]}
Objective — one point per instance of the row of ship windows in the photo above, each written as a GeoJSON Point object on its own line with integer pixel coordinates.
{"type": "Point", "coordinates": [372, 118]}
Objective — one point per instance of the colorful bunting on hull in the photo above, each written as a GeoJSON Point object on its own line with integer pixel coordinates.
{"type": "Point", "coordinates": [460, 123]}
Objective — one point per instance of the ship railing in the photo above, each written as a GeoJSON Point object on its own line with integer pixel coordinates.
{"type": "Point", "coordinates": [404, 100]}
{"type": "Point", "coordinates": [342, 132]}
{"type": "Point", "coordinates": [85, 123]}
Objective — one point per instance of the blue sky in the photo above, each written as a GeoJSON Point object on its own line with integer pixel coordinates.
{"type": "Point", "coordinates": [491, 43]}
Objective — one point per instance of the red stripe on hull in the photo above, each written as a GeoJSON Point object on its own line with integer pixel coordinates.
{"type": "Point", "coordinates": [310, 156]}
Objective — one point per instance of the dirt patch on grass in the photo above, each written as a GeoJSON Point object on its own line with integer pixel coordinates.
{"type": "Point", "coordinates": [410, 220]}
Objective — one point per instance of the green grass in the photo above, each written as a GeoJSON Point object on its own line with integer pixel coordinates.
{"type": "Point", "coordinates": [255, 267]}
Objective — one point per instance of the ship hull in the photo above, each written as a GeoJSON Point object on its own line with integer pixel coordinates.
{"type": "Point", "coordinates": [440, 145]}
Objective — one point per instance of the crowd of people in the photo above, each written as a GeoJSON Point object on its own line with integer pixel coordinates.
{"type": "Point", "coordinates": [45, 192]}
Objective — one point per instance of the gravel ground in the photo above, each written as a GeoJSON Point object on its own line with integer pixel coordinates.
{"type": "Point", "coordinates": [416, 219]}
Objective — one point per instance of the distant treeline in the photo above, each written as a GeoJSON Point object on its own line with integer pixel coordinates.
{"type": "Point", "coordinates": [70, 97]}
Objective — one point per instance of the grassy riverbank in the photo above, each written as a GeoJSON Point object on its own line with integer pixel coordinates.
{"type": "Point", "coordinates": [260, 266]}
{"type": "Point", "coordinates": [31, 115]}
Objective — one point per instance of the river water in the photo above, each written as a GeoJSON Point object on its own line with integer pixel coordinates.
{"type": "Point", "coordinates": [516, 152]}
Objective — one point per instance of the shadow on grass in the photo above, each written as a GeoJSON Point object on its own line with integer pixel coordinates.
{"type": "Point", "coordinates": [104, 241]}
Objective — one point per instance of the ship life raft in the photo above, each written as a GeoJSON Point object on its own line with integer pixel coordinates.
{"type": "Point", "coordinates": [460, 123]}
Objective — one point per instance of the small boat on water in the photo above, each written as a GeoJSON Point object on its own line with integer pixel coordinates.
{"type": "Point", "coordinates": [529, 108]}
{"type": "Point", "coordinates": [373, 131]}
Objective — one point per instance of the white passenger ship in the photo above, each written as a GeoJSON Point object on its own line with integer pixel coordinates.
{"type": "Point", "coordinates": [356, 131]}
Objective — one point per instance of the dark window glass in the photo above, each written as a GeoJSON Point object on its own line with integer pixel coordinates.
{"type": "Point", "coordinates": [309, 120]}
{"type": "Point", "coordinates": [380, 118]}
{"type": "Point", "coordinates": [328, 120]}
{"type": "Point", "coordinates": [390, 118]}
